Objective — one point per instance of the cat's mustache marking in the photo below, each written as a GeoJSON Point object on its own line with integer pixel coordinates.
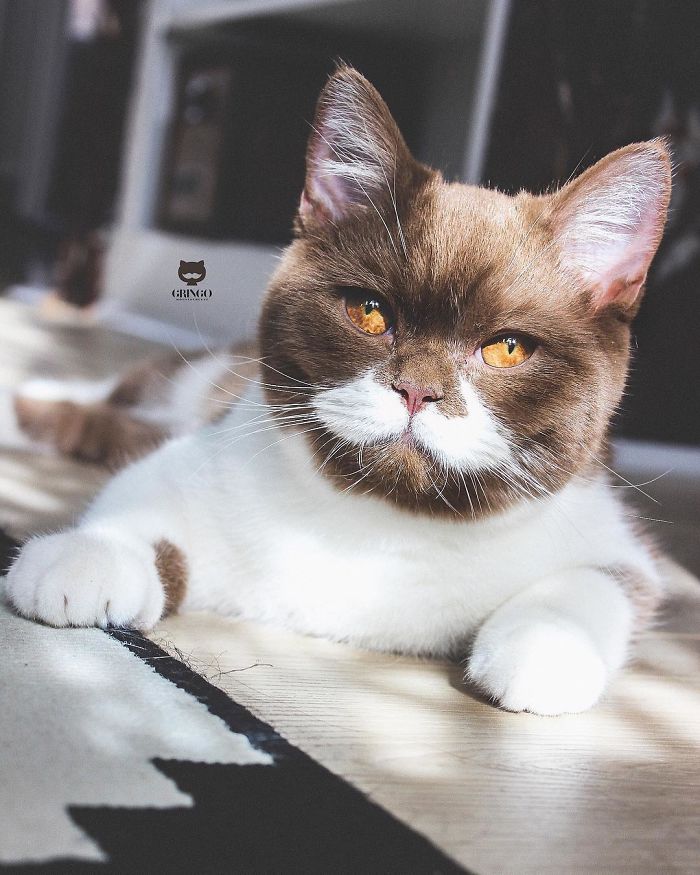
{"type": "Point", "coordinates": [366, 412]}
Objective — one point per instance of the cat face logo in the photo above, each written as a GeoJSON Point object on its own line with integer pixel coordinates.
{"type": "Point", "coordinates": [191, 272]}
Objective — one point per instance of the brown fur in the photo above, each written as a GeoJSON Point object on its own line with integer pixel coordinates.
{"type": "Point", "coordinates": [95, 433]}
{"type": "Point", "coordinates": [110, 433]}
{"type": "Point", "coordinates": [476, 263]}
{"type": "Point", "coordinates": [171, 565]}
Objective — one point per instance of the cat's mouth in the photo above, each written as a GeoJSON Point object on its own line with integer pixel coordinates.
{"type": "Point", "coordinates": [408, 437]}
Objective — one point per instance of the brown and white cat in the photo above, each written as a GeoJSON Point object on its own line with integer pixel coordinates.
{"type": "Point", "coordinates": [417, 461]}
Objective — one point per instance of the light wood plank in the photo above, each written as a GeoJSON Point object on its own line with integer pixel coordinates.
{"type": "Point", "coordinates": [613, 790]}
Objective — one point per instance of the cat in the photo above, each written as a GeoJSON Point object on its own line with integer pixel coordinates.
{"type": "Point", "coordinates": [191, 272]}
{"type": "Point", "coordinates": [415, 460]}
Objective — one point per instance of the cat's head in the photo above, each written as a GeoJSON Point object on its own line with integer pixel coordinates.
{"type": "Point", "coordinates": [454, 348]}
{"type": "Point", "coordinates": [191, 272]}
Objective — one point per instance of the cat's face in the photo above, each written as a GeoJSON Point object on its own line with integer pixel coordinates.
{"type": "Point", "coordinates": [191, 272]}
{"type": "Point", "coordinates": [455, 349]}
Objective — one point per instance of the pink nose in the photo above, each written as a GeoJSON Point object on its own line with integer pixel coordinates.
{"type": "Point", "coordinates": [415, 397]}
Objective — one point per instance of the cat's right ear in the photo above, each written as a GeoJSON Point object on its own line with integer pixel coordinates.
{"type": "Point", "coordinates": [356, 159]}
{"type": "Point", "coordinates": [608, 222]}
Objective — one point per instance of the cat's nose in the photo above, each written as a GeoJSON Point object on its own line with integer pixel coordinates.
{"type": "Point", "coordinates": [416, 397]}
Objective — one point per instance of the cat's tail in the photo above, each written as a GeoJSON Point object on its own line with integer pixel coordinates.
{"type": "Point", "coordinates": [117, 420]}
{"type": "Point", "coordinates": [84, 419]}
{"type": "Point", "coordinates": [93, 432]}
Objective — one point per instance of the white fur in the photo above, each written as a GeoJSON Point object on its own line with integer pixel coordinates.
{"type": "Point", "coordinates": [196, 381]}
{"type": "Point", "coordinates": [269, 539]}
{"type": "Point", "coordinates": [362, 410]}
{"type": "Point", "coordinates": [474, 442]}
{"type": "Point", "coordinates": [78, 391]}
{"type": "Point", "coordinates": [550, 648]}
{"type": "Point", "coordinates": [367, 412]}
{"type": "Point", "coordinates": [89, 578]}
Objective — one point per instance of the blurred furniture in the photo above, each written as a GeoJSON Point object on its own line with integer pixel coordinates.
{"type": "Point", "coordinates": [65, 72]}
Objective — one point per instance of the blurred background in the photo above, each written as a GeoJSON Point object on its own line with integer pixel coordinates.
{"type": "Point", "coordinates": [140, 134]}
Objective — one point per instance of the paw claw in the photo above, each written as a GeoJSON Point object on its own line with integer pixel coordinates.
{"type": "Point", "coordinates": [63, 579]}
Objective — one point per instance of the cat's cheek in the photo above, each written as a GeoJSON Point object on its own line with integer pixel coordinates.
{"type": "Point", "coordinates": [87, 579]}
{"type": "Point", "coordinates": [547, 667]}
{"type": "Point", "coordinates": [362, 410]}
{"type": "Point", "coordinates": [473, 441]}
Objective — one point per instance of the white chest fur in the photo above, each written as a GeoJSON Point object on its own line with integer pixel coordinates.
{"type": "Point", "coordinates": [272, 539]}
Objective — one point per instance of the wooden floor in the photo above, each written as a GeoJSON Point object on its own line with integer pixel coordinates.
{"type": "Point", "coordinates": [613, 790]}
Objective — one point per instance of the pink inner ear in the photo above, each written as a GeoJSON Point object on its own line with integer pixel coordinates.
{"type": "Point", "coordinates": [622, 280]}
{"type": "Point", "coordinates": [619, 292]}
{"type": "Point", "coordinates": [305, 206]}
{"type": "Point", "coordinates": [610, 221]}
{"type": "Point", "coordinates": [325, 196]}
{"type": "Point", "coordinates": [354, 151]}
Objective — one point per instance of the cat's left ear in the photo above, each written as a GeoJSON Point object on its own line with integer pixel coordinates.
{"type": "Point", "coordinates": [609, 221]}
{"type": "Point", "coordinates": [356, 159]}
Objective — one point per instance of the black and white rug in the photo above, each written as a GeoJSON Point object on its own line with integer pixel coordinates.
{"type": "Point", "coordinates": [117, 757]}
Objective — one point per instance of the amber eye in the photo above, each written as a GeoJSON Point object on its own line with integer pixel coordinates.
{"type": "Point", "coordinates": [507, 351]}
{"type": "Point", "coordinates": [369, 312]}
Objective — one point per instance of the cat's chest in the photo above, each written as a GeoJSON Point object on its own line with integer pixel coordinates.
{"type": "Point", "coordinates": [300, 546]}
{"type": "Point", "coordinates": [378, 578]}
{"type": "Point", "coordinates": [301, 552]}
{"type": "Point", "coordinates": [377, 547]}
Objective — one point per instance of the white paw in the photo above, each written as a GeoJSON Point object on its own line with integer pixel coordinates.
{"type": "Point", "coordinates": [545, 666]}
{"type": "Point", "coordinates": [86, 579]}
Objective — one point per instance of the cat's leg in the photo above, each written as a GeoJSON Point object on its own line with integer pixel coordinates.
{"type": "Point", "coordinates": [552, 648]}
{"type": "Point", "coordinates": [126, 562]}
{"type": "Point", "coordinates": [87, 578]}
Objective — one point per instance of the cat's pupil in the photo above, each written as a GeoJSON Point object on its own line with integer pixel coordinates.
{"type": "Point", "coordinates": [511, 343]}
{"type": "Point", "coordinates": [370, 307]}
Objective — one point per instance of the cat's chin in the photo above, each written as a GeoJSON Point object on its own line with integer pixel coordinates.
{"type": "Point", "coordinates": [399, 469]}
{"type": "Point", "coordinates": [404, 472]}
{"type": "Point", "coordinates": [405, 450]}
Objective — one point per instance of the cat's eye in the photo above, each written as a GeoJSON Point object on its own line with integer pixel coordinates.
{"type": "Point", "coordinates": [507, 351]}
{"type": "Point", "coordinates": [369, 312]}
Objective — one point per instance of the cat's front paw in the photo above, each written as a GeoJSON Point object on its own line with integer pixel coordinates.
{"type": "Point", "coordinates": [546, 667]}
{"type": "Point", "coordinates": [86, 579]}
